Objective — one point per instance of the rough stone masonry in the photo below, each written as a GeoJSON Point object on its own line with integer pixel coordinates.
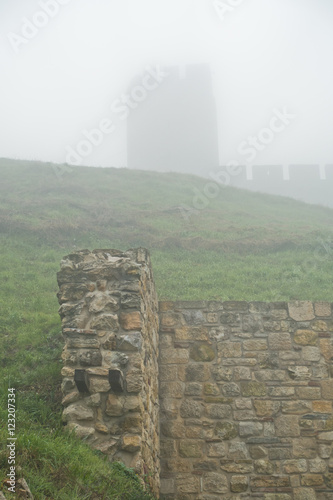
{"type": "Point", "coordinates": [209, 400]}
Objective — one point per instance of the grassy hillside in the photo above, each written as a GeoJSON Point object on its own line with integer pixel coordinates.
{"type": "Point", "coordinates": [241, 246]}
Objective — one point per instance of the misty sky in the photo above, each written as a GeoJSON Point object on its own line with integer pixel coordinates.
{"type": "Point", "coordinates": [264, 55]}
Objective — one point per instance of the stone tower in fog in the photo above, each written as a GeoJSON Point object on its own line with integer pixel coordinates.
{"type": "Point", "coordinates": [175, 128]}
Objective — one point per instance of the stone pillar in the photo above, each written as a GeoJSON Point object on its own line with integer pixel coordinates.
{"type": "Point", "coordinates": [110, 374]}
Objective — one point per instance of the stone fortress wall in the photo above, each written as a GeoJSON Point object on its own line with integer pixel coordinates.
{"type": "Point", "coordinates": [245, 388]}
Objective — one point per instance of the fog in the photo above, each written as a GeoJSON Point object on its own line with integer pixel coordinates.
{"type": "Point", "coordinates": [68, 66]}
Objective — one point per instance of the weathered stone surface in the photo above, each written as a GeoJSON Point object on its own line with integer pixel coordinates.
{"type": "Point", "coordinates": [134, 381]}
{"type": "Point", "coordinates": [218, 411]}
{"type": "Point", "coordinates": [191, 333]}
{"type": "Point", "coordinates": [187, 484]}
{"type": "Point", "coordinates": [191, 409]}
{"type": "Point", "coordinates": [215, 483]}
{"type": "Point", "coordinates": [301, 310]}
{"type": "Point", "coordinates": [255, 345]}
{"type": "Point", "coordinates": [202, 352]}
{"type": "Point", "coordinates": [263, 467]}
{"type": "Point", "coordinates": [299, 372]}
{"type": "Point", "coordinates": [327, 389]}
{"type": "Point", "coordinates": [131, 342]}
{"type": "Point", "coordinates": [222, 374]}
{"type": "Point", "coordinates": [266, 408]}
{"type": "Point", "coordinates": [247, 429]}
{"type": "Point", "coordinates": [308, 392]}
{"type": "Point", "coordinates": [226, 430]}
{"type": "Point", "coordinates": [306, 337]}
{"type": "Point", "coordinates": [130, 443]}
{"type": "Point", "coordinates": [296, 407]}
{"type": "Point", "coordinates": [216, 450]}
{"type": "Point", "coordinates": [322, 309]}
{"type": "Point", "coordinates": [102, 302]}
{"type": "Point", "coordinates": [230, 349]}
{"type": "Point", "coordinates": [237, 467]}
{"type": "Point", "coordinates": [196, 372]}
{"type": "Point", "coordinates": [295, 466]}
{"type": "Point", "coordinates": [287, 426]}
{"type": "Point", "coordinates": [190, 449]}
{"type": "Point", "coordinates": [99, 384]}
{"type": "Point", "coordinates": [77, 412]}
{"type": "Point", "coordinates": [311, 353]}
{"type": "Point", "coordinates": [253, 389]}
{"type": "Point", "coordinates": [130, 320]}
{"type": "Point", "coordinates": [80, 431]}
{"type": "Point", "coordinates": [105, 322]}
{"type": "Point", "coordinates": [279, 341]}
{"type": "Point", "coordinates": [304, 494]}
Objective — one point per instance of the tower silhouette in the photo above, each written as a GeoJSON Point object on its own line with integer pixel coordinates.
{"type": "Point", "coordinates": [175, 128]}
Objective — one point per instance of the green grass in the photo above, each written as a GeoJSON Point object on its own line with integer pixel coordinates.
{"type": "Point", "coordinates": [242, 246]}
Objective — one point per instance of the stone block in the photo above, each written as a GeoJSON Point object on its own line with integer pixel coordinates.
{"type": "Point", "coordinates": [304, 447]}
{"type": "Point", "coordinates": [247, 429]}
{"type": "Point", "coordinates": [174, 356]}
{"type": "Point", "coordinates": [238, 451]}
{"type": "Point", "coordinates": [327, 389]}
{"type": "Point", "coordinates": [191, 409]}
{"type": "Point", "coordinates": [295, 466]}
{"type": "Point", "coordinates": [191, 333]}
{"type": "Point", "coordinates": [270, 482]}
{"type": "Point", "coordinates": [253, 389]}
{"type": "Point", "coordinates": [130, 444]}
{"type": "Point", "coordinates": [312, 480]}
{"type": "Point", "coordinates": [322, 309]}
{"type": "Point", "coordinates": [304, 494]}
{"type": "Point", "coordinates": [230, 349]}
{"type": "Point", "coordinates": [299, 372]}
{"type": "Point", "coordinates": [279, 341]}
{"type": "Point", "coordinates": [226, 430]}
{"type": "Point", "coordinates": [130, 320]}
{"type": "Point", "coordinates": [171, 389]}
{"type": "Point", "coordinates": [301, 310]}
{"type": "Point", "coordinates": [108, 322]}
{"type": "Point", "coordinates": [77, 412]}
{"type": "Point", "coordinates": [263, 467]}
{"type": "Point", "coordinates": [317, 466]}
{"type": "Point", "coordinates": [281, 392]}
{"type": "Point", "coordinates": [296, 407]}
{"type": "Point", "coordinates": [287, 426]}
{"type": "Point", "coordinates": [196, 372]}
{"type": "Point", "coordinates": [242, 373]}
{"type": "Point", "coordinates": [134, 380]}
{"type": "Point", "coordinates": [237, 467]}
{"type": "Point", "coordinates": [238, 484]}
{"type": "Point", "coordinates": [306, 337]}
{"type": "Point", "coordinates": [311, 353]}
{"type": "Point", "coordinates": [80, 431]}
{"type": "Point", "coordinates": [173, 429]}
{"type": "Point", "coordinates": [202, 352]}
{"type": "Point", "coordinates": [266, 408]}
{"type": "Point", "coordinates": [218, 411]}
{"type": "Point", "coordinates": [322, 406]}
{"type": "Point", "coordinates": [216, 450]}
{"type": "Point", "coordinates": [188, 448]}
{"type": "Point", "coordinates": [255, 345]}
{"type": "Point", "coordinates": [167, 486]}
{"type": "Point", "coordinates": [220, 374]}
{"type": "Point", "coordinates": [131, 342]}
{"type": "Point", "coordinates": [309, 392]}
{"type": "Point", "coordinates": [187, 484]}
{"type": "Point", "coordinates": [115, 405]}
{"type": "Point", "coordinates": [215, 483]}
